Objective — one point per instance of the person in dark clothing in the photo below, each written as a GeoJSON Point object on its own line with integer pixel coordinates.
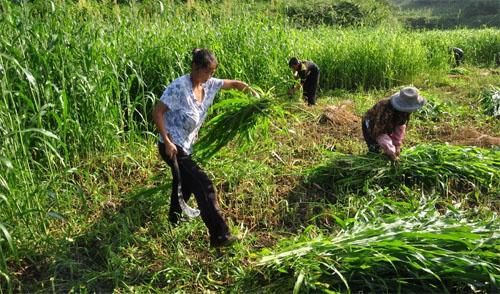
{"type": "Point", "coordinates": [458, 55]}
{"type": "Point", "coordinates": [178, 116]}
{"type": "Point", "coordinates": [384, 125]}
{"type": "Point", "coordinates": [308, 73]}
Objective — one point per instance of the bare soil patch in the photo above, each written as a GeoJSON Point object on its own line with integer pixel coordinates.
{"type": "Point", "coordinates": [340, 121]}
{"type": "Point", "coordinates": [465, 136]}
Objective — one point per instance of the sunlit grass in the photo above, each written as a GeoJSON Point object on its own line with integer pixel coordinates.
{"type": "Point", "coordinates": [431, 166]}
{"type": "Point", "coordinates": [83, 194]}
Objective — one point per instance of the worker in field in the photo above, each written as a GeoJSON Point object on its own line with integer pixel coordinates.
{"type": "Point", "coordinates": [384, 125]}
{"type": "Point", "coordinates": [308, 73]}
{"type": "Point", "coordinates": [458, 55]}
{"type": "Point", "coordinates": [178, 117]}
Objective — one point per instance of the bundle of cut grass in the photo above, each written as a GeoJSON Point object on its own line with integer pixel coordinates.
{"type": "Point", "coordinates": [241, 117]}
{"type": "Point", "coordinates": [490, 101]}
{"type": "Point", "coordinates": [418, 252]}
{"type": "Point", "coordinates": [426, 165]}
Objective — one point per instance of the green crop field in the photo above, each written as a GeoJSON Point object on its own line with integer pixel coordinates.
{"type": "Point", "coordinates": [84, 195]}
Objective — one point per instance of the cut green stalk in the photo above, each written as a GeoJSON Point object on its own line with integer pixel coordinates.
{"type": "Point", "coordinates": [241, 118]}
{"type": "Point", "coordinates": [421, 251]}
{"type": "Point", "coordinates": [427, 165]}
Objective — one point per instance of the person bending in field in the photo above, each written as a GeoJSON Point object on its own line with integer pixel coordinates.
{"type": "Point", "coordinates": [178, 117]}
{"type": "Point", "coordinates": [308, 72]}
{"type": "Point", "coordinates": [458, 55]}
{"type": "Point", "coordinates": [384, 125]}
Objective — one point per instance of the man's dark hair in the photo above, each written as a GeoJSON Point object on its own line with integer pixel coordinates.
{"type": "Point", "coordinates": [293, 61]}
{"type": "Point", "coordinates": [202, 58]}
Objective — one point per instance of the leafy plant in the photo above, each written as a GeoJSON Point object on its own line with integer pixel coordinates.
{"type": "Point", "coordinates": [490, 101]}
{"type": "Point", "coordinates": [427, 165]}
{"type": "Point", "coordinates": [242, 118]}
{"type": "Point", "coordinates": [6, 244]}
{"type": "Point", "coordinates": [459, 71]}
{"type": "Point", "coordinates": [422, 251]}
{"type": "Point", "coordinates": [335, 13]}
{"type": "Point", "coordinates": [434, 110]}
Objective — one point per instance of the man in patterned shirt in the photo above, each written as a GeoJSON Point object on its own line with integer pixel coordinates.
{"type": "Point", "coordinates": [178, 116]}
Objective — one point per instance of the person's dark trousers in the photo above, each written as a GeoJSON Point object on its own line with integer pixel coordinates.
{"type": "Point", "coordinates": [310, 87]}
{"type": "Point", "coordinates": [372, 144]}
{"type": "Point", "coordinates": [196, 181]}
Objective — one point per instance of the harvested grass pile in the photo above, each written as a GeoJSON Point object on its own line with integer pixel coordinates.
{"type": "Point", "coordinates": [417, 252]}
{"type": "Point", "coordinates": [341, 121]}
{"type": "Point", "coordinates": [475, 138]}
{"type": "Point", "coordinates": [431, 166]}
{"type": "Point", "coordinates": [465, 136]}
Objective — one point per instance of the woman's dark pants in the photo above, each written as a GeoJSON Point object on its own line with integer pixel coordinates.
{"type": "Point", "coordinates": [372, 144]}
{"type": "Point", "coordinates": [196, 181]}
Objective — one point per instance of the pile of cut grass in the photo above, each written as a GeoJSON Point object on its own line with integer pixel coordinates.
{"type": "Point", "coordinates": [429, 166]}
{"type": "Point", "coordinates": [416, 252]}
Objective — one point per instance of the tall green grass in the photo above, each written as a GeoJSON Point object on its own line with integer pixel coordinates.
{"type": "Point", "coordinates": [480, 46]}
{"type": "Point", "coordinates": [364, 58]}
{"type": "Point", "coordinates": [88, 74]}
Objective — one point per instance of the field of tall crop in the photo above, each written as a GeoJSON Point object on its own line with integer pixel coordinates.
{"type": "Point", "coordinates": [84, 195]}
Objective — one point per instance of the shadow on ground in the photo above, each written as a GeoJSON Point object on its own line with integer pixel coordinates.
{"type": "Point", "coordinates": [91, 260]}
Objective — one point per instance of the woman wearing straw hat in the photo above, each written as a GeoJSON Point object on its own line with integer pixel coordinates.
{"type": "Point", "coordinates": [308, 72]}
{"type": "Point", "coordinates": [178, 116]}
{"type": "Point", "coordinates": [384, 125]}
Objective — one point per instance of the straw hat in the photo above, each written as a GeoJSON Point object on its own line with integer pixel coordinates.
{"type": "Point", "coordinates": [407, 100]}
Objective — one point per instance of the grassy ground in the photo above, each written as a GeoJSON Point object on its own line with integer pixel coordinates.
{"type": "Point", "coordinates": [84, 195]}
{"type": "Point", "coordinates": [114, 234]}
